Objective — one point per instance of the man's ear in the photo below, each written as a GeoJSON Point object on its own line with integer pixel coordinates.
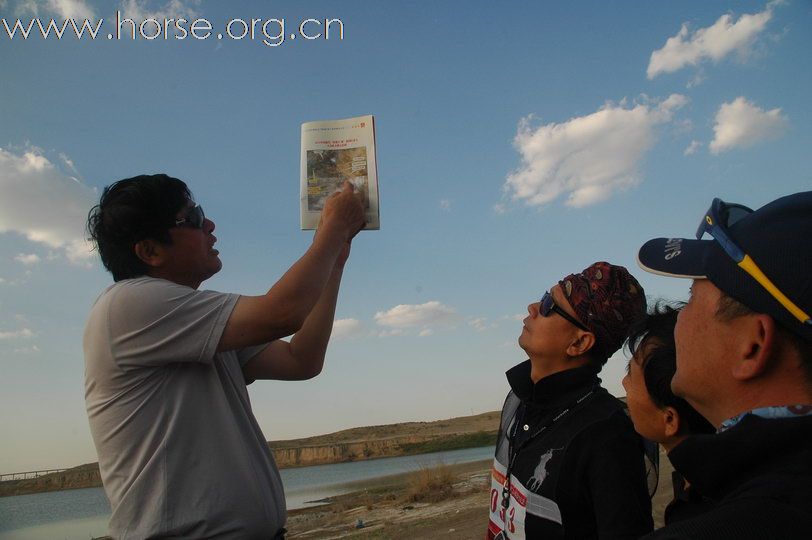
{"type": "Point", "coordinates": [150, 252]}
{"type": "Point", "coordinates": [582, 343]}
{"type": "Point", "coordinates": [671, 421]}
{"type": "Point", "coordinates": [755, 346]}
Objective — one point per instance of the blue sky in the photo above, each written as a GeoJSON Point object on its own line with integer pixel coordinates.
{"type": "Point", "coordinates": [517, 142]}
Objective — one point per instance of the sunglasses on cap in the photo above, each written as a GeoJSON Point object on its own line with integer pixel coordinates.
{"type": "Point", "coordinates": [547, 305]}
{"type": "Point", "coordinates": [194, 218]}
{"type": "Point", "coordinates": [719, 217]}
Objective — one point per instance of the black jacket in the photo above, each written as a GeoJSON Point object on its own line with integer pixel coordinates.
{"type": "Point", "coordinates": [688, 502]}
{"type": "Point", "coordinates": [759, 473]}
{"type": "Point", "coordinates": [581, 477]}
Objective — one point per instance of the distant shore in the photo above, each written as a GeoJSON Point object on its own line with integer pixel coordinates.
{"type": "Point", "coordinates": [453, 508]}
{"type": "Point", "coordinates": [356, 444]}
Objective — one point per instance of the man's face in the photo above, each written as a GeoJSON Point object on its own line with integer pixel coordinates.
{"type": "Point", "coordinates": [703, 345]}
{"type": "Point", "coordinates": [191, 258]}
{"type": "Point", "coordinates": [547, 336]}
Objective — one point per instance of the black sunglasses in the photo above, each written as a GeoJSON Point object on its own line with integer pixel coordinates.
{"type": "Point", "coordinates": [547, 305]}
{"type": "Point", "coordinates": [194, 218]}
{"type": "Point", "coordinates": [716, 222]}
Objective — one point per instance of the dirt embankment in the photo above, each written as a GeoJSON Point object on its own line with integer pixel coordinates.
{"type": "Point", "coordinates": [354, 444]}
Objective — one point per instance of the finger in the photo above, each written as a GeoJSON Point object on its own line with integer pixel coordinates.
{"type": "Point", "coordinates": [361, 196]}
{"type": "Point", "coordinates": [348, 185]}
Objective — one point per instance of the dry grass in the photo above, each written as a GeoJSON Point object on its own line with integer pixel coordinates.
{"type": "Point", "coordinates": [430, 484]}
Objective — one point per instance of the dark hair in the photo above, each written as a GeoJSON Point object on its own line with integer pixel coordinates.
{"type": "Point", "coordinates": [653, 334]}
{"type": "Point", "coordinates": [729, 308]}
{"type": "Point", "coordinates": [131, 210]}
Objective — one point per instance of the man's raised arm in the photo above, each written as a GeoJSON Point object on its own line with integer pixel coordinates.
{"type": "Point", "coordinates": [284, 308]}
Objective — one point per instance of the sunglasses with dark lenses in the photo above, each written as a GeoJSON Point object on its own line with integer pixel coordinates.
{"type": "Point", "coordinates": [547, 305]}
{"type": "Point", "coordinates": [194, 218]}
{"type": "Point", "coordinates": [716, 222]}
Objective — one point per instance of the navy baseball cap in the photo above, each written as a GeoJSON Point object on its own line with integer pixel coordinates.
{"type": "Point", "coordinates": [761, 258]}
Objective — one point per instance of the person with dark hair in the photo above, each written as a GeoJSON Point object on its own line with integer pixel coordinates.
{"type": "Point", "coordinates": [657, 414]}
{"type": "Point", "coordinates": [568, 463]}
{"type": "Point", "coordinates": [166, 364]}
{"type": "Point", "coordinates": [744, 361]}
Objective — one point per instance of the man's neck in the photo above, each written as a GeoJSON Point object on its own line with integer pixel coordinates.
{"type": "Point", "coordinates": [180, 280]}
{"type": "Point", "coordinates": [672, 442]}
{"type": "Point", "coordinates": [541, 368]}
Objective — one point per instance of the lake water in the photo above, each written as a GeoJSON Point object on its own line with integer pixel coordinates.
{"type": "Point", "coordinates": [83, 513]}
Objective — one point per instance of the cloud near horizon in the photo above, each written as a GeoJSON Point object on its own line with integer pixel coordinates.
{"type": "Point", "coordinates": [28, 259]}
{"type": "Point", "coordinates": [43, 204]}
{"type": "Point", "coordinates": [713, 43]}
{"type": "Point", "coordinates": [423, 316]}
{"type": "Point", "coordinates": [347, 328]}
{"type": "Point", "coordinates": [23, 333]}
{"type": "Point", "coordinates": [588, 157]}
{"type": "Point", "coordinates": [741, 124]}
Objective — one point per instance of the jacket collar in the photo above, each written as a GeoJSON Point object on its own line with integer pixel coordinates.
{"type": "Point", "coordinates": [716, 464]}
{"type": "Point", "coordinates": [555, 390]}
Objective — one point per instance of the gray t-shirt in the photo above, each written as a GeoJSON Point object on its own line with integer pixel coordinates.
{"type": "Point", "coordinates": [180, 452]}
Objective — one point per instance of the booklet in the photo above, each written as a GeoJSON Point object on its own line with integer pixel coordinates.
{"type": "Point", "coordinates": [332, 152]}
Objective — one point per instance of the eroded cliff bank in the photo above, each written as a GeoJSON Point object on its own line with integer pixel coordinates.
{"type": "Point", "coordinates": [354, 444]}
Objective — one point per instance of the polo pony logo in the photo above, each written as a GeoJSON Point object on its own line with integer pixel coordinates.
{"type": "Point", "coordinates": [540, 474]}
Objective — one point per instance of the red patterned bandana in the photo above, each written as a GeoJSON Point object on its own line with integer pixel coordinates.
{"type": "Point", "coordinates": [607, 299]}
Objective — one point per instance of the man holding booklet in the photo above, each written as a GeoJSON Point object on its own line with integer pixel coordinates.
{"type": "Point", "coordinates": [166, 364]}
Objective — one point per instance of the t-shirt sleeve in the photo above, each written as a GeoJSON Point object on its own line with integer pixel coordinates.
{"type": "Point", "coordinates": [154, 322]}
{"type": "Point", "coordinates": [246, 354]}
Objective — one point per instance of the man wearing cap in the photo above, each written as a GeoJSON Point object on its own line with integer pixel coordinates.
{"type": "Point", "coordinates": [744, 361]}
{"type": "Point", "coordinates": [568, 462]}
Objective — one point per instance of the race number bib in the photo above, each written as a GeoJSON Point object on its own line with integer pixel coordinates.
{"type": "Point", "coordinates": [507, 522]}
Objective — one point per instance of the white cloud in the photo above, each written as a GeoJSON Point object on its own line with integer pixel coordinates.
{"type": "Point", "coordinates": [587, 157]}
{"type": "Point", "coordinates": [500, 208]}
{"type": "Point", "coordinates": [23, 333]}
{"type": "Point", "coordinates": [697, 79]}
{"type": "Point", "coordinates": [2, 281]}
{"type": "Point", "coordinates": [28, 259]}
{"type": "Point", "coordinates": [741, 124]}
{"type": "Point", "coordinates": [692, 148]}
{"type": "Point", "coordinates": [62, 9]}
{"type": "Point", "coordinates": [27, 6]}
{"type": "Point", "coordinates": [480, 324]}
{"type": "Point", "coordinates": [416, 315]}
{"type": "Point", "coordinates": [27, 350]}
{"type": "Point", "coordinates": [425, 332]}
{"type": "Point", "coordinates": [445, 204]}
{"type": "Point", "coordinates": [389, 333]}
{"type": "Point", "coordinates": [71, 9]}
{"type": "Point", "coordinates": [140, 10]}
{"type": "Point", "coordinates": [714, 42]}
{"type": "Point", "coordinates": [347, 328]}
{"type": "Point", "coordinates": [41, 203]}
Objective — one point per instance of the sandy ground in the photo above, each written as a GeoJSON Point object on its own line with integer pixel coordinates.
{"type": "Point", "coordinates": [386, 512]}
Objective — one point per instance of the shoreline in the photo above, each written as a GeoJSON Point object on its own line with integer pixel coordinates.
{"type": "Point", "coordinates": [403, 506]}
{"type": "Point", "coordinates": [346, 446]}
{"type": "Point", "coordinates": [386, 511]}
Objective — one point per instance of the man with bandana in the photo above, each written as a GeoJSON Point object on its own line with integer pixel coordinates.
{"type": "Point", "coordinates": [568, 462]}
